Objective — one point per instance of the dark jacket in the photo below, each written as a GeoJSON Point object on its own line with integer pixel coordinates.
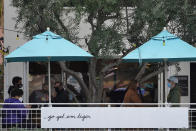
{"type": "Point", "coordinates": [13, 116]}
{"type": "Point", "coordinates": [11, 88]}
{"type": "Point", "coordinates": [38, 96]}
{"type": "Point", "coordinates": [117, 95]}
{"type": "Point", "coordinates": [174, 95]}
{"type": "Point", "coordinates": [61, 96]}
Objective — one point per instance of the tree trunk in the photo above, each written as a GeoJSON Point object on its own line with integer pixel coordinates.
{"type": "Point", "coordinates": [76, 76]}
{"type": "Point", "coordinates": [92, 80]}
{"type": "Point", "coordinates": [100, 90]}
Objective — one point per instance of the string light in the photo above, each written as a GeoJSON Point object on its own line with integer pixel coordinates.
{"type": "Point", "coordinates": [164, 38]}
{"type": "Point", "coordinates": [11, 30]}
{"type": "Point", "coordinates": [46, 37]}
{"type": "Point", "coordinates": [17, 36]}
{"type": "Point", "coordinates": [134, 45]}
{"type": "Point", "coordinates": [20, 32]}
{"type": "Point", "coordinates": [163, 42]}
{"type": "Point", "coordinates": [148, 65]}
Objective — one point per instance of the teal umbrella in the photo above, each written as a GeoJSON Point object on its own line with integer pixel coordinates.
{"type": "Point", "coordinates": [164, 47]}
{"type": "Point", "coordinates": [48, 47]}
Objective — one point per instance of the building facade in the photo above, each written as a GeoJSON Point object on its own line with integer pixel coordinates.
{"type": "Point", "coordinates": [21, 69]}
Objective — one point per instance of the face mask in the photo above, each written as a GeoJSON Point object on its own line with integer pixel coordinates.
{"type": "Point", "coordinates": [21, 99]}
{"type": "Point", "coordinates": [19, 85]}
{"type": "Point", "coordinates": [70, 97]}
{"type": "Point", "coordinates": [142, 91]}
{"type": "Point", "coordinates": [169, 85]}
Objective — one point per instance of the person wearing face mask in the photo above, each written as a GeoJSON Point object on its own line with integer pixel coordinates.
{"type": "Point", "coordinates": [17, 84]}
{"type": "Point", "coordinates": [174, 93]}
{"type": "Point", "coordinates": [146, 92]}
{"type": "Point", "coordinates": [14, 118]}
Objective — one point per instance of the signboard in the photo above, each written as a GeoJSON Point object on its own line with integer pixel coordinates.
{"type": "Point", "coordinates": [183, 84]}
{"type": "Point", "coordinates": [114, 117]}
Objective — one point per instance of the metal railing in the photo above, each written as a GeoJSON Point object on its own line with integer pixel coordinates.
{"type": "Point", "coordinates": [22, 119]}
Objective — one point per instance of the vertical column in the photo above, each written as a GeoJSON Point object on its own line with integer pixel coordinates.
{"type": "Point", "coordinates": [159, 88]}
{"type": "Point", "coordinates": [49, 82]}
{"type": "Point", "coordinates": [162, 87]}
{"type": "Point", "coordinates": [6, 80]}
{"type": "Point", "coordinates": [26, 82]}
{"type": "Point", "coordinates": [166, 77]}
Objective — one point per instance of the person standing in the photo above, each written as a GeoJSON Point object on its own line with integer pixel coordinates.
{"type": "Point", "coordinates": [132, 95]}
{"type": "Point", "coordinates": [17, 84]}
{"type": "Point", "coordinates": [14, 118]}
{"type": "Point", "coordinates": [174, 93]}
{"type": "Point", "coordinates": [39, 96]}
{"type": "Point", "coordinates": [62, 96]}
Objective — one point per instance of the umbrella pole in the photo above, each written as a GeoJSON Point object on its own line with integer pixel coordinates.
{"type": "Point", "coordinates": [166, 75]}
{"type": "Point", "coordinates": [49, 83]}
{"type": "Point", "coordinates": [166, 88]}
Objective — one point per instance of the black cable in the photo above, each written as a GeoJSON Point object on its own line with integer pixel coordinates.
{"type": "Point", "coordinates": [12, 30]}
{"type": "Point", "coordinates": [24, 32]}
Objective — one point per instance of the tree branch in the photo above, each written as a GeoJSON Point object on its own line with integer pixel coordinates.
{"type": "Point", "coordinates": [90, 20]}
{"type": "Point", "coordinates": [62, 25]}
{"type": "Point", "coordinates": [93, 71]}
{"type": "Point", "coordinates": [152, 75]}
{"type": "Point", "coordinates": [141, 72]}
{"type": "Point", "coordinates": [73, 94]}
{"type": "Point", "coordinates": [110, 66]}
{"type": "Point", "coordinates": [76, 76]}
{"type": "Point", "coordinates": [118, 61]}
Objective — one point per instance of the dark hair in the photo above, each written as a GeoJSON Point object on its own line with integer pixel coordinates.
{"type": "Point", "coordinates": [16, 79]}
{"type": "Point", "coordinates": [16, 92]}
{"type": "Point", "coordinates": [44, 85]}
{"type": "Point", "coordinates": [59, 83]}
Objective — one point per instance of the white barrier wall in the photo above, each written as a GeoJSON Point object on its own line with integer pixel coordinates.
{"type": "Point", "coordinates": [114, 117]}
